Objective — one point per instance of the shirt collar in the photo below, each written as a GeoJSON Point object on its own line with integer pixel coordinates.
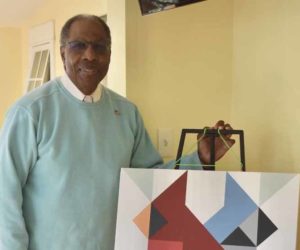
{"type": "Point", "coordinates": [71, 87]}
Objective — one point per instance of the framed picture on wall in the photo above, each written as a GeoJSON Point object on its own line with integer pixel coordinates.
{"type": "Point", "coordinates": [153, 6]}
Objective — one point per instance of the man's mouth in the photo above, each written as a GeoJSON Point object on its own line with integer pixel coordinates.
{"type": "Point", "coordinates": [88, 70]}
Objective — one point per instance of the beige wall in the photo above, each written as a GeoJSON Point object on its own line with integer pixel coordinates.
{"type": "Point", "coordinates": [235, 60]}
{"type": "Point", "coordinates": [10, 68]}
{"type": "Point", "coordinates": [266, 90]}
{"type": "Point", "coordinates": [179, 65]}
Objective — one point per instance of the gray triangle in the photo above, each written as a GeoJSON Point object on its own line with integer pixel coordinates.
{"type": "Point", "coordinates": [250, 226]}
{"type": "Point", "coordinates": [143, 178]}
{"type": "Point", "coordinates": [271, 183]}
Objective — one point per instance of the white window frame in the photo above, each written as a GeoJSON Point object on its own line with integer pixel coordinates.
{"type": "Point", "coordinates": [41, 38]}
{"type": "Point", "coordinates": [41, 70]}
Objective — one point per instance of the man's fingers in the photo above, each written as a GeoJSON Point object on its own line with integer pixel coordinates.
{"type": "Point", "coordinates": [227, 126]}
{"type": "Point", "coordinates": [219, 125]}
{"type": "Point", "coordinates": [230, 142]}
{"type": "Point", "coordinates": [201, 134]}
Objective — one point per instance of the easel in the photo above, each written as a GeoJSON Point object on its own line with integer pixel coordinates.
{"type": "Point", "coordinates": [212, 133]}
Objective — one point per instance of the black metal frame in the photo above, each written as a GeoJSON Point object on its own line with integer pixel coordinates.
{"type": "Point", "coordinates": [212, 133]}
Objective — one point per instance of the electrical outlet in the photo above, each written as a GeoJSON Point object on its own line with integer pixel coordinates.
{"type": "Point", "coordinates": [165, 142]}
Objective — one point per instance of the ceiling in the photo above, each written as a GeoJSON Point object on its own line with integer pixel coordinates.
{"type": "Point", "coordinates": [14, 12]}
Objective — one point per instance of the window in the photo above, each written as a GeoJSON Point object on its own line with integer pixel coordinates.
{"type": "Point", "coordinates": [40, 70]}
{"type": "Point", "coordinates": [41, 55]}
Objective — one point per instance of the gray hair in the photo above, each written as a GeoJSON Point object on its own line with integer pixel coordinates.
{"type": "Point", "coordinates": [64, 34]}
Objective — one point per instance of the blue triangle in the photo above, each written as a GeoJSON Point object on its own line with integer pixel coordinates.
{"type": "Point", "coordinates": [238, 206]}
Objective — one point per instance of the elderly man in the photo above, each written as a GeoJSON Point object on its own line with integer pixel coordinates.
{"type": "Point", "coordinates": [62, 147]}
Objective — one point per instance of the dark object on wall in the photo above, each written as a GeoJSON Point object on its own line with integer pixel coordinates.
{"type": "Point", "coordinates": [212, 133]}
{"type": "Point", "coordinates": [153, 6]}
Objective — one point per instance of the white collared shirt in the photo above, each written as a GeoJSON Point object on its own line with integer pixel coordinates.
{"type": "Point", "coordinates": [71, 87]}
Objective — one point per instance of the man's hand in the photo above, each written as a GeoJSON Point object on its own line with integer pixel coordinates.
{"type": "Point", "coordinates": [220, 147]}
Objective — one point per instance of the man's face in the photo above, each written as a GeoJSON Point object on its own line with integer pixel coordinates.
{"type": "Point", "coordinates": [86, 54]}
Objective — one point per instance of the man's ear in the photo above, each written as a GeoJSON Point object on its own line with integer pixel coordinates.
{"type": "Point", "coordinates": [62, 54]}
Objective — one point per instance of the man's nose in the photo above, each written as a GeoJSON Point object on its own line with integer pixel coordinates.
{"type": "Point", "coordinates": [90, 53]}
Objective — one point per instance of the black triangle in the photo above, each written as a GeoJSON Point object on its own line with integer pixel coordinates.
{"type": "Point", "coordinates": [238, 238]}
{"type": "Point", "coordinates": [265, 227]}
{"type": "Point", "coordinates": [157, 221]}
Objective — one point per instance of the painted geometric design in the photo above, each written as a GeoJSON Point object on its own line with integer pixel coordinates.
{"type": "Point", "coordinates": [272, 183]}
{"type": "Point", "coordinates": [242, 223]}
{"type": "Point", "coordinates": [165, 245]}
{"type": "Point", "coordinates": [157, 221]}
{"type": "Point", "coordinates": [257, 228]}
{"type": "Point", "coordinates": [249, 226]}
{"type": "Point", "coordinates": [239, 248]}
{"type": "Point", "coordinates": [142, 220]}
{"type": "Point", "coordinates": [238, 238]}
{"type": "Point", "coordinates": [195, 198]}
{"type": "Point", "coordinates": [265, 227]}
{"type": "Point", "coordinates": [181, 222]}
{"type": "Point", "coordinates": [238, 206]}
{"type": "Point", "coordinates": [149, 221]}
{"type": "Point", "coordinates": [144, 182]}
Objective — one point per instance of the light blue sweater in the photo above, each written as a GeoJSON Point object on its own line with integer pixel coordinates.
{"type": "Point", "coordinates": [60, 162]}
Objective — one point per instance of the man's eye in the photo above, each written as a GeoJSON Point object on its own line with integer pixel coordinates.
{"type": "Point", "coordinates": [101, 48]}
{"type": "Point", "coordinates": [80, 47]}
{"type": "Point", "coordinates": [77, 45]}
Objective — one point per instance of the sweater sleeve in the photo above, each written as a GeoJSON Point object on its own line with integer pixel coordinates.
{"type": "Point", "coordinates": [146, 156]}
{"type": "Point", "coordinates": [144, 153]}
{"type": "Point", "coordinates": [18, 153]}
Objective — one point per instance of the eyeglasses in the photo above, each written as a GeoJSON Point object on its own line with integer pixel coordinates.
{"type": "Point", "coordinates": [81, 46]}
